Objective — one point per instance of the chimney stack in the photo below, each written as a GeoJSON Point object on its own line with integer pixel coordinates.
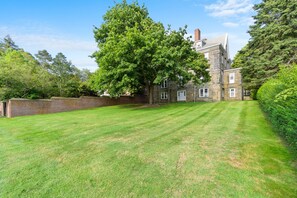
{"type": "Point", "coordinates": [197, 35]}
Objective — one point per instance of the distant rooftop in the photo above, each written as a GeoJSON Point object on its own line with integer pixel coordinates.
{"type": "Point", "coordinates": [201, 44]}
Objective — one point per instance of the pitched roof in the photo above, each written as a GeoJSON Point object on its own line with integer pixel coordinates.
{"type": "Point", "coordinates": [223, 40]}
{"type": "Point", "coordinates": [220, 40]}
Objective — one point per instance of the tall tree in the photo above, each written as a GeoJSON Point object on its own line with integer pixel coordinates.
{"type": "Point", "coordinates": [68, 77]}
{"type": "Point", "coordinates": [273, 42]}
{"type": "Point", "coordinates": [63, 70]}
{"type": "Point", "coordinates": [61, 66]}
{"type": "Point", "coordinates": [45, 59]}
{"type": "Point", "coordinates": [8, 43]}
{"type": "Point", "coordinates": [136, 53]}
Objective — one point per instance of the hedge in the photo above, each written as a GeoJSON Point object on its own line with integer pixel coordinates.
{"type": "Point", "coordinates": [278, 98]}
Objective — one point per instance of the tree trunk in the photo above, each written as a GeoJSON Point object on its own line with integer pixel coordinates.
{"type": "Point", "coordinates": [151, 94]}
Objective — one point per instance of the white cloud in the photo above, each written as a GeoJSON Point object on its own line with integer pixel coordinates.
{"type": "Point", "coordinates": [230, 24]}
{"type": "Point", "coordinates": [228, 8]}
{"type": "Point", "coordinates": [247, 21]}
{"type": "Point", "coordinates": [240, 21]}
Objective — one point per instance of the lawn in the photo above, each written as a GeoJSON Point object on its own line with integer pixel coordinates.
{"type": "Point", "coordinates": [224, 149]}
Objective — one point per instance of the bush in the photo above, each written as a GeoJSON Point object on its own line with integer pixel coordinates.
{"type": "Point", "coordinates": [278, 98]}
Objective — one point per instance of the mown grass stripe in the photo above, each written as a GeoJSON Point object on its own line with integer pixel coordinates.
{"type": "Point", "coordinates": [224, 149]}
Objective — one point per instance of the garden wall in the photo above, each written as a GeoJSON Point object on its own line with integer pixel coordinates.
{"type": "Point", "coordinates": [21, 107]}
{"type": "Point", "coordinates": [1, 109]}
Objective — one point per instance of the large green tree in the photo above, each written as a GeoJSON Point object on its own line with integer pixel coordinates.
{"type": "Point", "coordinates": [273, 42]}
{"type": "Point", "coordinates": [68, 80]}
{"type": "Point", "coordinates": [136, 53]}
{"type": "Point", "coordinates": [22, 77]}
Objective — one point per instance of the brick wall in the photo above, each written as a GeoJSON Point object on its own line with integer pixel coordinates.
{"type": "Point", "coordinates": [21, 107]}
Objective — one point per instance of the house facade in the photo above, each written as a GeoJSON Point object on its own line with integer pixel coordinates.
{"type": "Point", "coordinates": [225, 83]}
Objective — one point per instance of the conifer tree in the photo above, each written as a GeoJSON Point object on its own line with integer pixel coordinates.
{"type": "Point", "coordinates": [273, 42]}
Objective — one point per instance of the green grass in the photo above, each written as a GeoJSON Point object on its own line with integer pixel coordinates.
{"type": "Point", "coordinates": [224, 149]}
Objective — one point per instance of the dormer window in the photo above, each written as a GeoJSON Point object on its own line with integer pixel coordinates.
{"type": "Point", "coordinates": [200, 43]}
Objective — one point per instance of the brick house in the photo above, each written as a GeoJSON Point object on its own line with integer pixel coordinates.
{"type": "Point", "coordinates": [225, 83]}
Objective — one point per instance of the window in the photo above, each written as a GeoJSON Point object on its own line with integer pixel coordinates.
{"type": "Point", "coordinates": [164, 95]}
{"type": "Point", "coordinates": [164, 84]}
{"type": "Point", "coordinates": [231, 77]}
{"type": "Point", "coordinates": [232, 92]}
{"type": "Point", "coordinates": [246, 92]}
{"type": "Point", "coordinates": [206, 55]}
{"type": "Point", "coordinates": [203, 93]}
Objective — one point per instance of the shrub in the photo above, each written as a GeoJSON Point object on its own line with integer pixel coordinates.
{"type": "Point", "coordinates": [278, 98]}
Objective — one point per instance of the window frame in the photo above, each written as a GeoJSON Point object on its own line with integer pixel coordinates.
{"type": "Point", "coordinates": [231, 78]}
{"type": "Point", "coordinates": [246, 92]}
{"type": "Point", "coordinates": [232, 92]}
{"type": "Point", "coordinates": [204, 93]}
{"type": "Point", "coordinates": [164, 95]}
{"type": "Point", "coordinates": [164, 84]}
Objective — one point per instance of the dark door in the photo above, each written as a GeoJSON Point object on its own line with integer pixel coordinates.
{"type": "Point", "coordinates": [4, 108]}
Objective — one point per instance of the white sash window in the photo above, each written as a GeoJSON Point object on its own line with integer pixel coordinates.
{"type": "Point", "coordinates": [231, 78]}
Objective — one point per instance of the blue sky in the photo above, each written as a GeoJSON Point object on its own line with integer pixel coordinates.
{"type": "Point", "coordinates": [67, 25]}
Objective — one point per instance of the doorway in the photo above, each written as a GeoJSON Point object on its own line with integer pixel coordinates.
{"type": "Point", "coordinates": [181, 95]}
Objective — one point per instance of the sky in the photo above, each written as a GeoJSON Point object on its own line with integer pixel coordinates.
{"type": "Point", "coordinates": [67, 25]}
